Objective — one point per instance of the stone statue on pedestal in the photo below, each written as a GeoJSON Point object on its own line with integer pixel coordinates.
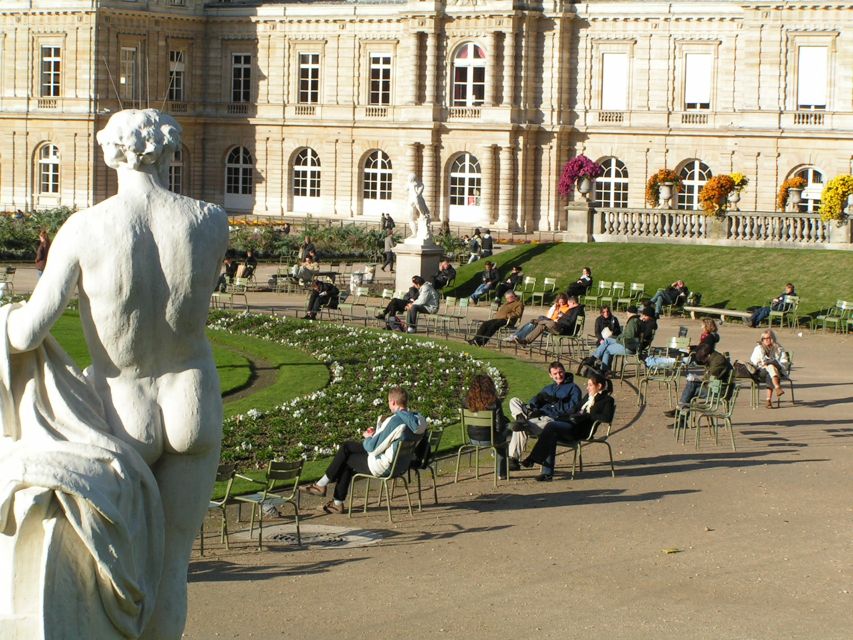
{"type": "Point", "coordinates": [105, 476]}
{"type": "Point", "coordinates": [419, 218]}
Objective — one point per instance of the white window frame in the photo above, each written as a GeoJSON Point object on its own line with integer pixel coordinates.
{"type": "Point", "coordinates": [177, 75]}
{"type": "Point", "coordinates": [176, 171]}
{"type": "Point", "coordinates": [380, 70]}
{"type": "Point", "coordinates": [611, 188]}
{"type": "Point", "coordinates": [241, 77]}
{"type": "Point", "coordinates": [48, 169]}
{"type": "Point", "coordinates": [128, 80]}
{"type": "Point", "coordinates": [308, 77]}
{"type": "Point", "coordinates": [307, 174]}
{"type": "Point", "coordinates": [694, 174]}
{"type": "Point", "coordinates": [50, 71]}
{"type": "Point", "coordinates": [810, 197]}
{"type": "Point", "coordinates": [377, 179]}
{"type": "Point", "coordinates": [469, 76]}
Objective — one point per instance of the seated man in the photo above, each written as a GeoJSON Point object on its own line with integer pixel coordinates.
{"type": "Point", "coordinates": [510, 283]}
{"type": "Point", "coordinates": [426, 302]}
{"type": "Point", "coordinates": [249, 264]}
{"type": "Point", "coordinates": [717, 367]}
{"type": "Point", "coordinates": [398, 305]}
{"type": "Point", "coordinates": [676, 294]}
{"type": "Point", "coordinates": [323, 294]}
{"type": "Point", "coordinates": [229, 271]}
{"type": "Point", "coordinates": [627, 342]}
{"type": "Point", "coordinates": [374, 454]}
{"type": "Point", "coordinates": [490, 279]}
{"type": "Point", "coordinates": [510, 310]}
{"type": "Point", "coordinates": [557, 401]}
{"type": "Point", "coordinates": [563, 326]}
{"type": "Point", "coordinates": [557, 309]}
{"type": "Point", "coordinates": [446, 273]}
{"type": "Point", "coordinates": [648, 328]}
{"type": "Point", "coordinates": [596, 405]}
{"type": "Point", "coordinates": [777, 304]}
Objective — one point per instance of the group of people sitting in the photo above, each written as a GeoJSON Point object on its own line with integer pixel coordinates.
{"type": "Point", "coordinates": [421, 297]}
{"type": "Point", "coordinates": [233, 268]}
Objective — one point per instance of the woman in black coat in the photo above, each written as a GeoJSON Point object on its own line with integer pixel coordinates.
{"type": "Point", "coordinates": [606, 320]}
{"type": "Point", "coordinates": [597, 404]}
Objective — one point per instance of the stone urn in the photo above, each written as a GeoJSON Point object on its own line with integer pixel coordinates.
{"type": "Point", "coordinates": [734, 198]}
{"type": "Point", "coordinates": [665, 194]}
{"type": "Point", "coordinates": [849, 208]}
{"type": "Point", "coordinates": [585, 186]}
{"type": "Point", "coordinates": [795, 195]}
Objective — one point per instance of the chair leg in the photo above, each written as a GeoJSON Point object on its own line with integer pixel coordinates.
{"type": "Point", "coordinates": [201, 539]}
{"type": "Point", "coordinates": [434, 485]}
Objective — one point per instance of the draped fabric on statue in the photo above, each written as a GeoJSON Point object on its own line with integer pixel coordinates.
{"type": "Point", "coordinates": [55, 437]}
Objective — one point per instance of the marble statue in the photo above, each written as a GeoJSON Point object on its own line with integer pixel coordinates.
{"type": "Point", "coordinates": [105, 475]}
{"type": "Point", "coordinates": [419, 218]}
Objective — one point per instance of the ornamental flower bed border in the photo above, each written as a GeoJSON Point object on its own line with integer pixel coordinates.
{"type": "Point", "coordinates": [363, 366]}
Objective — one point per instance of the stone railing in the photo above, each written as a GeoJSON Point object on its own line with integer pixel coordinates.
{"type": "Point", "coordinates": [736, 228]}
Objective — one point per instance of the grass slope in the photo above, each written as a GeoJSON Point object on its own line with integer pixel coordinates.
{"type": "Point", "coordinates": [734, 277]}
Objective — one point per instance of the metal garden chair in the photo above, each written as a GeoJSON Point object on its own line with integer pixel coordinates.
{"type": "Point", "coordinates": [280, 487]}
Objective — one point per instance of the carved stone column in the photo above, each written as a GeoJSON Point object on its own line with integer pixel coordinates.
{"type": "Point", "coordinates": [487, 183]}
{"type": "Point", "coordinates": [431, 62]}
{"type": "Point", "coordinates": [492, 76]}
{"type": "Point", "coordinates": [411, 159]}
{"type": "Point", "coordinates": [505, 216]}
{"type": "Point", "coordinates": [508, 94]}
{"type": "Point", "coordinates": [430, 180]}
{"type": "Point", "coordinates": [410, 95]}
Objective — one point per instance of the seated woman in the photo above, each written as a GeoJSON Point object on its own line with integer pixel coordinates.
{"type": "Point", "coordinates": [606, 325]}
{"type": "Point", "coordinates": [556, 311]}
{"type": "Point", "coordinates": [772, 360]}
{"type": "Point", "coordinates": [597, 404]}
{"type": "Point", "coordinates": [482, 396]}
{"type": "Point", "coordinates": [582, 285]}
{"type": "Point", "coordinates": [709, 332]}
{"type": "Point", "coordinates": [308, 269]}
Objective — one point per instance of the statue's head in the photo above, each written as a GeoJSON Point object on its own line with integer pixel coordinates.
{"type": "Point", "coordinates": [139, 138]}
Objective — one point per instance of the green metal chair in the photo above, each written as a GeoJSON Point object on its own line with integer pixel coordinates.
{"type": "Point", "coordinates": [708, 399]}
{"type": "Point", "coordinates": [528, 286]}
{"type": "Point", "coordinates": [427, 461]}
{"type": "Point", "coordinates": [398, 470]}
{"type": "Point", "coordinates": [635, 292]}
{"type": "Point", "coordinates": [595, 437]}
{"type": "Point", "coordinates": [478, 419]}
{"type": "Point", "coordinates": [224, 473]}
{"type": "Point", "coordinates": [604, 295]}
{"type": "Point", "coordinates": [549, 286]}
{"type": "Point", "coordinates": [280, 486]}
{"type": "Point", "coordinates": [713, 415]}
{"type": "Point", "coordinates": [788, 314]}
{"type": "Point", "coordinates": [836, 316]}
{"type": "Point", "coordinates": [664, 376]}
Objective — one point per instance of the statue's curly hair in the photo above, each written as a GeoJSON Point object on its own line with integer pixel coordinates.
{"type": "Point", "coordinates": [143, 136]}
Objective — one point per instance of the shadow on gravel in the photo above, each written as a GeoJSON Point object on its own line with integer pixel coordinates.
{"type": "Point", "coordinates": [223, 571]}
{"type": "Point", "coordinates": [504, 502]}
{"type": "Point", "coordinates": [678, 463]}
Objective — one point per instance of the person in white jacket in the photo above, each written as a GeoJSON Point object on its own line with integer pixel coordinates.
{"type": "Point", "coordinates": [772, 360]}
{"type": "Point", "coordinates": [426, 302]}
{"type": "Point", "coordinates": [374, 454]}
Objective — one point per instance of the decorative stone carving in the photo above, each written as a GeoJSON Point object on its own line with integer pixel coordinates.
{"type": "Point", "coordinates": [419, 217]}
{"type": "Point", "coordinates": [105, 476]}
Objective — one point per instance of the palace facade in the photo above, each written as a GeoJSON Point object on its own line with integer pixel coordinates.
{"type": "Point", "coordinates": [326, 108]}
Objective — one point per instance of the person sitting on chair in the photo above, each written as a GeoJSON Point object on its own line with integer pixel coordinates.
{"type": "Point", "coordinates": [627, 342]}
{"type": "Point", "coordinates": [596, 405]}
{"type": "Point", "coordinates": [717, 367]}
{"type": "Point", "coordinates": [557, 310]}
{"type": "Point", "coordinates": [510, 283]}
{"type": "Point", "coordinates": [606, 325]}
{"type": "Point", "coordinates": [323, 294]}
{"type": "Point", "coordinates": [426, 302]}
{"type": "Point", "coordinates": [582, 285]}
{"type": "Point", "coordinates": [398, 305]}
{"type": "Point", "coordinates": [563, 326]}
{"type": "Point", "coordinates": [446, 274]}
{"type": "Point", "coordinates": [557, 401]}
{"type": "Point", "coordinates": [228, 274]}
{"type": "Point", "coordinates": [511, 310]}
{"type": "Point", "coordinates": [374, 454]}
{"type": "Point", "coordinates": [676, 294]}
{"type": "Point", "coordinates": [777, 304]}
{"type": "Point", "coordinates": [482, 396]}
{"type": "Point", "coordinates": [772, 360]}
{"type": "Point", "coordinates": [249, 264]}
{"type": "Point", "coordinates": [490, 278]}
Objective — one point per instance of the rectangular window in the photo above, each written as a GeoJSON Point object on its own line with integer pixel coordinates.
{"type": "Point", "coordinates": [698, 68]}
{"type": "Point", "coordinates": [309, 78]}
{"type": "Point", "coordinates": [614, 82]}
{"type": "Point", "coordinates": [380, 79]}
{"type": "Point", "coordinates": [177, 71]}
{"type": "Point", "coordinates": [241, 77]}
{"type": "Point", "coordinates": [811, 78]}
{"type": "Point", "coordinates": [128, 77]}
{"type": "Point", "coordinates": [51, 66]}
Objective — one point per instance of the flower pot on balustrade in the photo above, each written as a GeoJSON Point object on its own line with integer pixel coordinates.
{"type": "Point", "coordinates": [734, 198]}
{"type": "Point", "coordinates": [665, 195]}
{"type": "Point", "coordinates": [850, 205]}
{"type": "Point", "coordinates": [585, 186]}
{"type": "Point", "coordinates": [795, 195]}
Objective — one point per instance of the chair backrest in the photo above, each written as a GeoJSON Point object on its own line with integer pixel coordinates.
{"type": "Point", "coordinates": [549, 284]}
{"type": "Point", "coordinates": [791, 302]}
{"type": "Point", "coordinates": [483, 419]}
{"type": "Point", "coordinates": [579, 323]}
{"type": "Point", "coordinates": [618, 287]}
{"type": "Point", "coordinates": [225, 472]}
{"type": "Point", "coordinates": [604, 286]}
{"type": "Point", "coordinates": [282, 470]}
{"type": "Point", "coordinates": [596, 425]}
{"type": "Point", "coordinates": [403, 457]}
{"type": "Point", "coordinates": [387, 293]}
{"type": "Point", "coordinates": [528, 284]}
{"type": "Point", "coordinates": [637, 289]}
{"type": "Point", "coordinates": [679, 342]}
{"type": "Point", "coordinates": [462, 306]}
{"type": "Point", "coordinates": [426, 447]}
{"type": "Point", "coordinates": [682, 331]}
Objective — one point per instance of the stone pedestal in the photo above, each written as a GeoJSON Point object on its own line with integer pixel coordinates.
{"type": "Point", "coordinates": [416, 260]}
{"type": "Point", "coordinates": [578, 222]}
{"type": "Point", "coordinates": [717, 227]}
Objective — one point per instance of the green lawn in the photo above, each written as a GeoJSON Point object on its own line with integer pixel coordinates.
{"type": "Point", "coordinates": [733, 277]}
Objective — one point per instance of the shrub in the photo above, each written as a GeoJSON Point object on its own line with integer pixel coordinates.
{"type": "Point", "coordinates": [833, 198]}
{"type": "Point", "coordinates": [19, 233]}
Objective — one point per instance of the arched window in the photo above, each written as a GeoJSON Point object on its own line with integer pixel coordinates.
{"type": "Point", "coordinates": [238, 172]}
{"type": "Point", "coordinates": [377, 176]}
{"type": "Point", "coordinates": [306, 174]}
{"type": "Point", "coordinates": [176, 172]}
{"type": "Point", "coordinates": [465, 181]}
{"type": "Point", "coordinates": [810, 199]}
{"type": "Point", "coordinates": [611, 189]}
{"type": "Point", "coordinates": [469, 76]}
{"type": "Point", "coordinates": [49, 169]}
{"type": "Point", "coordinates": [694, 175]}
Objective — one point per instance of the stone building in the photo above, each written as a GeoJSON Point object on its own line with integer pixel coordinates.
{"type": "Point", "coordinates": [325, 108]}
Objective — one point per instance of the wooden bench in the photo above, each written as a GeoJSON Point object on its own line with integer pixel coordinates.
{"type": "Point", "coordinates": [716, 311]}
